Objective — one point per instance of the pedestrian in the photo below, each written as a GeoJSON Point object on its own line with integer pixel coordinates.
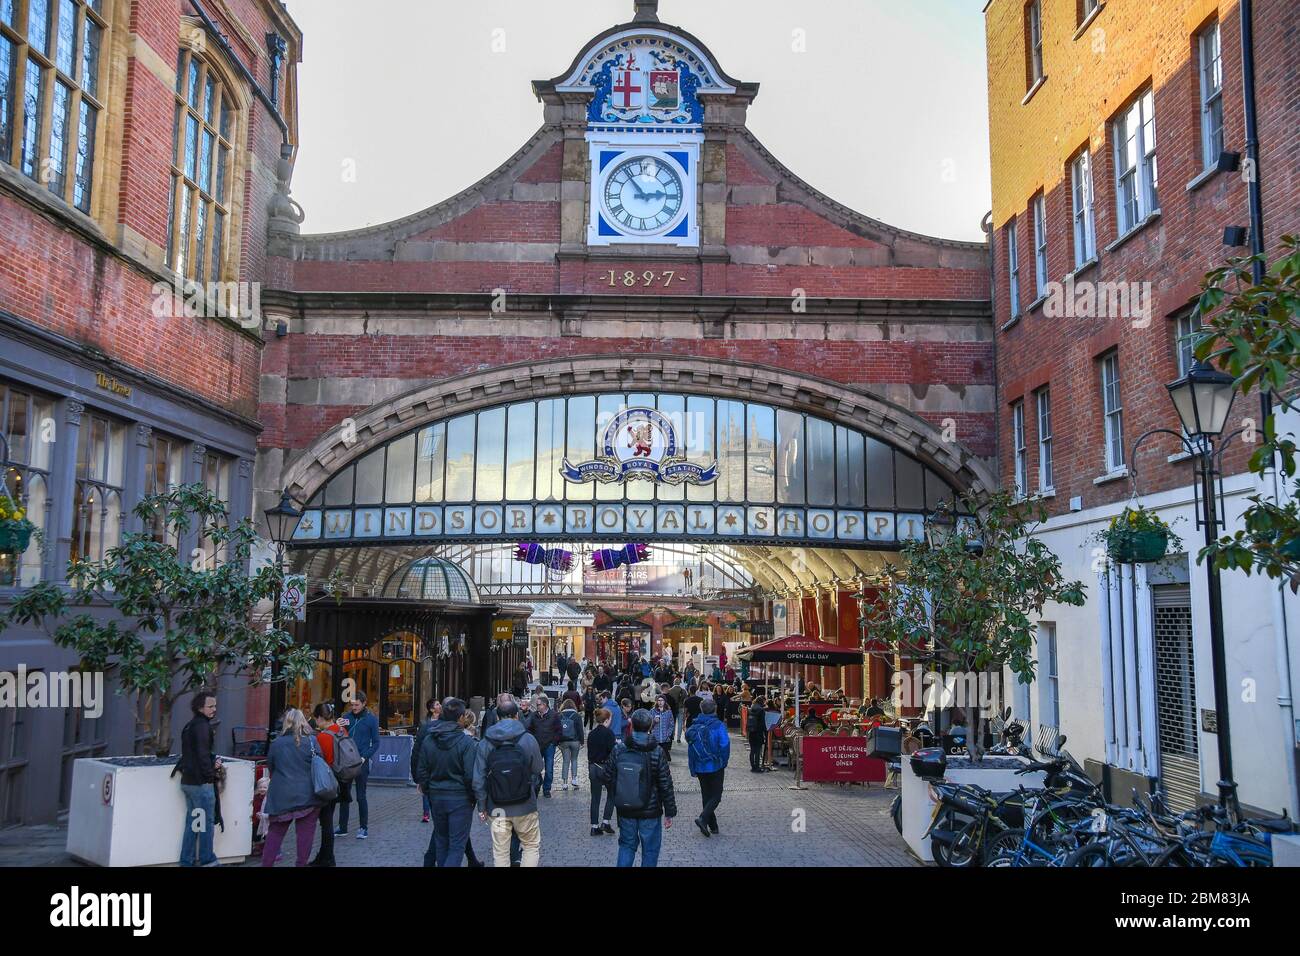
{"type": "Point", "coordinates": [588, 696]}
{"type": "Point", "coordinates": [291, 795]}
{"type": "Point", "coordinates": [545, 727]}
{"type": "Point", "coordinates": [506, 775]}
{"type": "Point", "coordinates": [625, 706]}
{"type": "Point", "coordinates": [445, 772]}
{"type": "Point", "coordinates": [571, 740]}
{"type": "Point", "coordinates": [573, 670]}
{"type": "Point", "coordinates": [468, 722]}
{"type": "Point", "coordinates": [600, 744]}
{"type": "Point", "coordinates": [571, 693]}
{"type": "Point", "coordinates": [327, 732]}
{"type": "Point", "coordinates": [692, 704]}
{"type": "Point", "coordinates": [198, 769]}
{"type": "Point", "coordinates": [363, 727]}
{"type": "Point", "coordinates": [602, 680]}
{"type": "Point", "coordinates": [643, 793]}
{"type": "Point", "coordinates": [708, 748]}
{"type": "Point", "coordinates": [757, 722]}
{"type": "Point", "coordinates": [664, 725]}
{"type": "Point", "coordinates": [677, 696]}
{"type": "Point", "coordinates": [519, 681]}
{"type": "Point", "coordinates": [432, 713]}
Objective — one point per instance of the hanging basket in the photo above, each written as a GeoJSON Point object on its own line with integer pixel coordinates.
{"type": "Point", "coordinates": [15, 536]}
{"type": "Point", "coordinates": [1137, 547]}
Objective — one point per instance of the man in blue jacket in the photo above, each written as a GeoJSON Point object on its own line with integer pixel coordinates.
{"type": "Point", "coordinates": [708, 748]}
{"type": "Point", "coordinates": [363, 727]}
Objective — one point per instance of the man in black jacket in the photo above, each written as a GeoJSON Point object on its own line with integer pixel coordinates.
{"type": "Point", "coordinates": [545, 726]}
{"type": "Point", "coordinates": [198, 770]}
{"type": "Point", "coordinates": [444, 769]}
{"type": "Point", "coordinates": [757, 733]}
{"type": "Point", "coordinates": [640, 822]}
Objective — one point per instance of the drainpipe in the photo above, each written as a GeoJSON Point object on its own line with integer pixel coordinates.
{"type": "Point", "coordinates": [268, 100]}
{"type": "Point", "coordinates": [1270, 481]}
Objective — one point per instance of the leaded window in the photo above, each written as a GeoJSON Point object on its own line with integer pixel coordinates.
{"type": "Point", "coordinates": [27, 420]}
{"type": "Point", "coordinates": [98, 512]}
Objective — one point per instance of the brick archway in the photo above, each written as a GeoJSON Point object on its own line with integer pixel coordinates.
{"type": "Point", "coordinates": [484, 388]}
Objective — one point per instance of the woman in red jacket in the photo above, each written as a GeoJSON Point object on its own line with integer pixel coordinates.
{"type": "Point", "coordinates": [326, 730]}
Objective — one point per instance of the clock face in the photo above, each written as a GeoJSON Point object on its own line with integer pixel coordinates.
{"type": "Point", "coordinates": [643, 195]}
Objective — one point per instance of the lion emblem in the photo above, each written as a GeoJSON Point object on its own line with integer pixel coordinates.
{"type": "Point", "coordinates": [639, 439]}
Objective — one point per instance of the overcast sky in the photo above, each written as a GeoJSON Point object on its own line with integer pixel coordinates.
{"type": "Point", "coordinates": [404, 103]}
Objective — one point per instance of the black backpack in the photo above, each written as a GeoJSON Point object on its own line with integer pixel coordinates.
{"type": "Point", "coordinates": [569, 725]}
{"type": "Point", "coordinates": [632, 781]}
{"type": "Point", "coordinates": [509, 776]}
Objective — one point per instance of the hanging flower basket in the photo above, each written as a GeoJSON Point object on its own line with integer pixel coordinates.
{"type": "Point", "coordinates": [1138, 547]}
{"type": "Point", "coordinates": [15, 529]}
{"type": "Point", "coordinates": [1137, 536]}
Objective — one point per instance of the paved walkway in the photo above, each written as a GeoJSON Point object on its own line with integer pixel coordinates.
{"type": "Point", "coordinates": [762, 821]}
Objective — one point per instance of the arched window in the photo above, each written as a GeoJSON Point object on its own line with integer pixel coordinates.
{"type": "Point", "coordinates": [51, 84]}
{"type": "Point", "coordinates": [202, 180]}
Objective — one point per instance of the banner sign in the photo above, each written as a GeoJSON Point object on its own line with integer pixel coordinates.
{"type": "Point", "coordinates": [761, 628]}
{"type": "Point", "coordinates": [826, 759]}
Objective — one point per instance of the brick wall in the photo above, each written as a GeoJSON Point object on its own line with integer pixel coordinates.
{"type": "Point", "coordinates": [1090, 78]}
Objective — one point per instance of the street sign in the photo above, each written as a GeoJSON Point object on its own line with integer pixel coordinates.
{"type": "Point", "coordinates": [293, 600]}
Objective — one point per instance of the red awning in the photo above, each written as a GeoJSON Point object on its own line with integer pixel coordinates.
{"type": "Point", "coordinates": [797, 649]}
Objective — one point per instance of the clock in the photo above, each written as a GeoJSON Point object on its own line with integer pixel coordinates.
{"type": "Point", "coordinates": [643, 195]}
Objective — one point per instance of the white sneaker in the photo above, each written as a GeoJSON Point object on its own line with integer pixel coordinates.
{"type": "Point", "coordinates": [574, 784]}
{"type": "Point", "coordinates": [564, 786]}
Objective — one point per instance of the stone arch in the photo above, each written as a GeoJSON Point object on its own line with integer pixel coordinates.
{"type": "Point", "coordinates": [500, 385]}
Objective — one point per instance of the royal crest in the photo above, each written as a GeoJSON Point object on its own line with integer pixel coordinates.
{"type": "Point", "coordinates": [640, 443]}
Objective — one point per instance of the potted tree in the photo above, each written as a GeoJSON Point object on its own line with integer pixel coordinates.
{"type": "Point", "coordinates": [165, 627]}
{"type": "Point", "coordinates": [965, 601]}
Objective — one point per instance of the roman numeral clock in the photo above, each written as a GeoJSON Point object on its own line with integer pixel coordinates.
{"type": "Point", "coordinates": [644, 133]}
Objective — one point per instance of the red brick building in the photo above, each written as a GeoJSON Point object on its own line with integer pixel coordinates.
{"type": "Point", "coordinates": [138, 150]}
{"type": "Point", "coordinates": [1107, 121]}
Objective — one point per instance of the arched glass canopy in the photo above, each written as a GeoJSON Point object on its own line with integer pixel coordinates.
{"type": "Point", "coordinates": [432, 579]}
{"type": "Point", "coordinates": [629, 466]}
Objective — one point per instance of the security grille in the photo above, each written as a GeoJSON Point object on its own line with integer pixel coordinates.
{"type": "Point", "coordinates": [1180, 771]}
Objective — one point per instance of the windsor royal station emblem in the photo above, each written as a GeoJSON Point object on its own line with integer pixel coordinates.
{"type": "Point", "coordinates": [640, 443]}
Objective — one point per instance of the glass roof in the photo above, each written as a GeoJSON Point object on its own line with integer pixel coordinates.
{"type": "Point", "coordinates": [432, 579]}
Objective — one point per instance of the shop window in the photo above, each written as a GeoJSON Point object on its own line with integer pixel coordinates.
{"type": "Point", "coordinates": [51, 87]}
{"type": "Point", "coordinates": [27, 421]}
{"type": "Point", "coordinates": [216, 478]}
{"type": "Point", "coordinates": [164, 473]}
{"type": "Point", "coordinates": [98, 511]}
{"type": "Point", "coordinates": [316, 688]}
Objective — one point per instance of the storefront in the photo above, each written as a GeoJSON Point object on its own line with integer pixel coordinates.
{"type": "Point", "coordinates": [86, 440]}
{"type": "Point", "coordinates": [616, 641]}
{"type": "Point", "coordinates": [556, 628]}
{"type": "Point", "coordinates": [404, 648]}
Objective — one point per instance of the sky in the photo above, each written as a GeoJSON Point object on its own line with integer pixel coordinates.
{"type": "Point", "coordinates": [879, 104]}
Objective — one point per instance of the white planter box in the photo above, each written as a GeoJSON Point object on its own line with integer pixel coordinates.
{"type": "Point", "coordinates": [918, 808]}
{"type": "Point", "coordinates": [125, 815]}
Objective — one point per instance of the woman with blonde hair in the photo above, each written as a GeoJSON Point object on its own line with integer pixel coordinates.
{"type": "Point", "coordinates": [291, 796]}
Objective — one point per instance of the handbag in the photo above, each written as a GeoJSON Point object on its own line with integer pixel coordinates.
{"type": "Point", "coordinates": [323, 782]}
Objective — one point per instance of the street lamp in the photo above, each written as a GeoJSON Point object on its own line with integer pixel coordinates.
{"type": "Point", "coordinates": [280, 523]}
{"type": "Point", "coordinates": [1203, 399]}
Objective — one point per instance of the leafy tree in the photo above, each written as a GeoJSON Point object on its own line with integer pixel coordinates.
{"type": "Point", "coordinates": [1252, 331]}
{"type": "Point", "coordinates": [178, 625]}
{"type": "Point", "coordinates": [969, 602]}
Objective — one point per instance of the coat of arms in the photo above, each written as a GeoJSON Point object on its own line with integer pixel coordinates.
{"type": "Point", "coordinates": [640, 443]}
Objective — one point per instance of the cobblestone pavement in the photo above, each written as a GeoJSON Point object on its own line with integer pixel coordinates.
{"type": "Point", "coordinates": [761, 818]}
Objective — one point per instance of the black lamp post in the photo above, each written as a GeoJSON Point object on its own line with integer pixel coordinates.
{"type": "Point", "coordinates": [1203, 399]}
{"type": "Point", "coordinates": [280, 523]}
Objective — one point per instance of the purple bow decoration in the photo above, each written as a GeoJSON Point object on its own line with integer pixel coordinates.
{"type": "Point", "coordinates": [533, 553]}
{"type": "Point", "coordinates": [607, 559]}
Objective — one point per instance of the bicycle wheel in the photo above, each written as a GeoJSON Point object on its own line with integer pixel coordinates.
{"type": "Point", "coordinates": [1001, 850]}
{"type": "Point", "coordinates": [963, 851]}
{"type": "Point", "coordinates": [1193, 852]}
{"type": "Point", "coordinates": [1089, 855]}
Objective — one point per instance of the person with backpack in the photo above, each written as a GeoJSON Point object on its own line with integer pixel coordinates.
{"type": "Point", "coordinates": [506, 775]}
{"type": "Point", "coordinates": [708, 750]}
{"type": "Point", "coordinates": [445, 771]}
{"type": "Point", "coordinates": [571, 740]}
{"type": "Point", "coordinates": [291, 795]}
{"type": "Point", "coordinates": [362, 727]}
{"type": "Point", "coordinates": [643, 792]}
{"type": "Point", "coordinates": [327, 732]}
{"type": "Point", "coordinates": [198, 769]}
{"type": "Point", "coordinates": [600, 744]}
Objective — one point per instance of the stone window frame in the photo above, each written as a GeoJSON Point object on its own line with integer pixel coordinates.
{"type": "Point", "coordinates": [195, 43]}
{"type": "Point", "coordinates": [15, 32]}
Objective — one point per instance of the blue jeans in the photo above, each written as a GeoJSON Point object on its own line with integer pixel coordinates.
{"type": "Point", "coordinates": [648, 833]}
{"type": "Point", "coordinates": [548, 758]}
{"type": "Point", "coordinates": [357, 787]}
{"type": "Point", "coordinates": [452, 816]}
{"type": "Point", "coordinates": [203, 798]}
